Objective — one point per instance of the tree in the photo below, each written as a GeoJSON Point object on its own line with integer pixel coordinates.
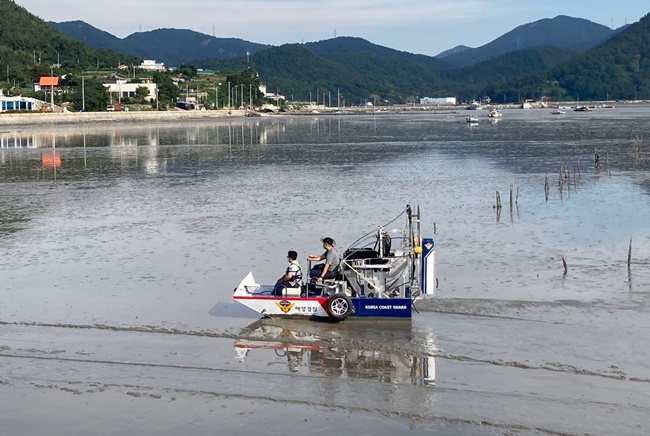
{"type": "Point", "coordinates": [141, 93]}
{"type": "Point", "coordinates": [188, 70]}
{"type": "Point", "coordinates": [96, 96]}
{"type": "Point", "coordinates": [168, 92]}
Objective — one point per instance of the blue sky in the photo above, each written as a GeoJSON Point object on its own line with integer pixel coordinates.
{"type": "Point", "coordinates": [417, 26]}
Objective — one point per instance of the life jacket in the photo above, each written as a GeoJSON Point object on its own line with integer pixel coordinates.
{"type": "Point", "coordinates": [297, 277]}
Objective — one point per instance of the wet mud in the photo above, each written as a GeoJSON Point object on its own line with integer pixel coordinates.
{"type": "Point", "coordinates": [120, 247]}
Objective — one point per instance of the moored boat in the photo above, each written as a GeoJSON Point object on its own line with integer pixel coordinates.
{"type": "Point", "coordinates": [495, 113]}
{"type": "Point", "coordinates": [557, 112]}
{"type": "Point", "coordinates": [472, 120]}
{"type": "Point", "coordinates": [379, 276]}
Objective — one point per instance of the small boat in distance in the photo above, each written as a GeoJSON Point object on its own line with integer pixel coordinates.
{"type": "Point", "coordinates": [471, 120]}
{"type": "Point", "coordinates": [557, 112]}
{"type": "Point", "coordinates": [583, 109]}
{"type": "Point", "coordinates": [494, 113]}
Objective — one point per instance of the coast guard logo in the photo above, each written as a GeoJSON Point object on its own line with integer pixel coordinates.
{"type": "Point", "coordinates": [284, 305]}
{"type": "Point", "coordinates": [428, 246]}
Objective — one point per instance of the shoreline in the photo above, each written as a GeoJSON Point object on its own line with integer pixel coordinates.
{"type": "Point", "coordinates": [67, 118]}
{"type": "Point", "coordinates": [9, 119]}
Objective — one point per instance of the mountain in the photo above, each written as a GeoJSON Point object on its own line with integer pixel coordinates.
{"type": "Point", "coordinates": [376, 74]}
{"type": "Point", "coordinates": [350, 45]}
{"type": "Point", "coordinates": [469, 81]}
{"type": "Point", "coordinates": [89, 35]}
{"type": "Point", "coordinates": [573, 33]}
{"type": "Point", "coordinates": [171, 46]}
{"type": "Point", "coordinates": [29, 47]}
{"type": "Point", "coordinates": [617, 69]}
{"type": "Point", "coordinates": [451, 51]}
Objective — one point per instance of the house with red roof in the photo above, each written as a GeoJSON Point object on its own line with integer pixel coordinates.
{"type": "Point", "coordinates": [47, 83]}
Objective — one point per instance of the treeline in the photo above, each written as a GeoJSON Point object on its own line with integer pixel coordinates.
{"type": "Point", "coordinates": [297, 71]}
{"type": "Point", "coordinates": [29, 48]}
{"type": "Point", "coordinates": [618, 69]}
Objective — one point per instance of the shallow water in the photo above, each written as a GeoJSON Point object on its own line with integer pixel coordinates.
{"type": "Point", "coordinates": [120, 247]}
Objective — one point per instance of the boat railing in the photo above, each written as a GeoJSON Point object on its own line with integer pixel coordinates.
{"type": "Point", "coordinates": [364, 277]}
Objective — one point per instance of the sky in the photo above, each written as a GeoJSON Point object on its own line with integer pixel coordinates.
{"type": "Point", "coordinates": [417, 26]}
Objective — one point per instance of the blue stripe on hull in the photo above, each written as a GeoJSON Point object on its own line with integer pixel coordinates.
{"type": "Point", "coordinates": [382, 307]}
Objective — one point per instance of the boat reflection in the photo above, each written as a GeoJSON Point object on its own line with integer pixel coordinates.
{"type": "Point", "coordinates": [303, 352]}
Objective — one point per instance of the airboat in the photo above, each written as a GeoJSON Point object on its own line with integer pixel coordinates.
{"type": "Point", "coordinates": [380, 275]}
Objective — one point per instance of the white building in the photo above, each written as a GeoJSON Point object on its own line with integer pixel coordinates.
{"type": "Point", "coordinates": [128, 90]}
{"type": "Point", "coordinates": [152, 65]}
{"type": "Point", "coordinates": [271, 95]}
{"type": "Point", "coordinates": [19, 103]}
{"type": "Point", "coordinates": [444, 101]}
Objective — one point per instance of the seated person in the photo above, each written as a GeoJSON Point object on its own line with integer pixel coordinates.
{"type": "Point", "coordinates": [329, 269]}
{"type": "Point", "coordinates": [292, 277]}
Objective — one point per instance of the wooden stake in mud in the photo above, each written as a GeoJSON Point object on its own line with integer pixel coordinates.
{"type": "Point", "coordinates": [546, 188]}
{"type": "Point", "coordinates": [517, 196]}
{"type": "Point", "coordinates": [564, 264]}
{"type": "Point", "coordinates": [510, 197]}
{"type": "Point", "coordinates": [629, 255]}
{"type": "Point", "coordinates": [497, 206]}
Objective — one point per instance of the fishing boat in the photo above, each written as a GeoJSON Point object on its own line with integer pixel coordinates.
{"type": "Point", "coordinates": [380, 275]}
{"type": "Point", "coordinates": [471, 120]}
{"type": "Point", "coordinates": [582, 109]}
{"type": "Point", "coordinates": [557, 112]}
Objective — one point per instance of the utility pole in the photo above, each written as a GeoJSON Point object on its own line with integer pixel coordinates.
{"type": "Point", "coordinates": [52, 88]}
{"type": "Point", "coordinates": [83, 94]}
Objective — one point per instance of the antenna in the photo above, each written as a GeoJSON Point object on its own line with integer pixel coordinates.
{"type": "Point", "coordinates": [214, 33]}
{"type": "Point", "coordinates": [612, 26]}
{"type": "Point", "coordinates": [334, 33]}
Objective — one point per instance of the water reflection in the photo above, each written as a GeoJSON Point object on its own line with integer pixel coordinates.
{"type": "Point", "coordinates": [303, 352]}
{"type": "Point", "coordinates": [345, 363]}
{"type": "Point", "coordinates": [112, 150]}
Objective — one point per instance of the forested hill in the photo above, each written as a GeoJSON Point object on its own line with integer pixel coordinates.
{"type": "Point", "coordinates": [295, 70]}
{"type": "Point", "coordinates": [89, 35]}
{"type": "Point", "coordinates": [617, 69]}
{"type": "Point", "coordinates": [29, 47]}
{"type": "Point", "coordinates": [573, 33]}
{"type": "Point", "coordinates": [345, 45]}
{"type": "Point", "coordinates": [171, 46]}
